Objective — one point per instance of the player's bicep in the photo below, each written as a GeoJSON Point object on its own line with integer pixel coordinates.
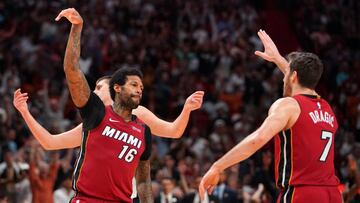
{"type": "Point", "coordinates": [93, 112]}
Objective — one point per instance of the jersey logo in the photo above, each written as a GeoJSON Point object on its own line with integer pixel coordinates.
{"type": "Point", "coordinates": [136, 129]}
{"type": "Point", "coordinates": [114, 121]}
{"type": "Point", "coordinates": [319, 105]}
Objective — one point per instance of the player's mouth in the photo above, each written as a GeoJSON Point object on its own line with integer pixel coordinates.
{"type": "Point", "coordinates": [137, 97]}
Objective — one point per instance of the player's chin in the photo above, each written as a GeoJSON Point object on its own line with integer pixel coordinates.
{"type": "Point", "coordinates": [136, 99]}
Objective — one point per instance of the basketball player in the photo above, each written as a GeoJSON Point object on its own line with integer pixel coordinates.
{"type": "Point", "coordinates": [72, 138]}
{"type": "Point", "coordinates": [303, 125]}
{"type": "Point", "coordinates": [116, 145]}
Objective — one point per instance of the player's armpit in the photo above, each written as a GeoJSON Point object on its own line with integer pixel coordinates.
{"type": "Point", "coordinates": [143, 182]}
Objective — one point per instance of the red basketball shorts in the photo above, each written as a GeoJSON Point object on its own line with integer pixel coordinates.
{"type": "Point", "coordinates": [310, 194]}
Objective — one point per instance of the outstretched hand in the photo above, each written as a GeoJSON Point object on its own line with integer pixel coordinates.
{"type": "Point", "coordinates": [194, 101]}
{"type": "Point", "coordinates": [209, 181]}
{"type": "Point", "coordinates": [20, 101]}
{"type": "Point", "coordinates": [271, 52]}
{"type": "Point", "coordinates": [72, 15]}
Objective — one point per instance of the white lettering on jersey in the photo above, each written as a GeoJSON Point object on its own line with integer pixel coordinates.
{"type": "Point", "coordinates": [320, 116]}
{"type": "Point", "coordinates": [124, 137]}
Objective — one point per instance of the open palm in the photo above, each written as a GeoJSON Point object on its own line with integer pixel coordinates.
{"type": "Point", "coordinates": [271, 52]}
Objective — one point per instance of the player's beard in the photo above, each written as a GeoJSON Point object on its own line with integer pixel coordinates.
{"type": "Point", "coordinates": [128, 102]}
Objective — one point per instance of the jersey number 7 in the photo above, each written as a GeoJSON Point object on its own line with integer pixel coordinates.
{"type": "Point", "coordinates": [325, 135]}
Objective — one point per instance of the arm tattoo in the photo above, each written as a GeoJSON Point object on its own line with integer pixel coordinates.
{"type": "Point", "coordinates": [78, 86]}
{"type": "Point", "coordinates": [143, 182]}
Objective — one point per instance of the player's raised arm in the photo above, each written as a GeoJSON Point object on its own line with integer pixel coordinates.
{"type": "Point", "coordinates": [173, 129]}
{"type": "Point", "coordinates": [279, 118]}
{"type": "Point", "coordinates": [78, 86]}
{"type": "Point", "coordinates": [48, 141]}
{"type": "Point", "coordinates": [271, 52]}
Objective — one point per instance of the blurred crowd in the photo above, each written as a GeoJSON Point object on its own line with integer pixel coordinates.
{"type": "Point", "coordinates": [181, 46]}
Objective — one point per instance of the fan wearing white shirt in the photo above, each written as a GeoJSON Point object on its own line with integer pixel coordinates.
{"type": "Point", "coordinates": [167, 195]}
{"type": "Point", "coordinates": [64, 193]}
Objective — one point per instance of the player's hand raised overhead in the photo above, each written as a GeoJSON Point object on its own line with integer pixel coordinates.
{"type": "Point", "coordinates": [20, 101]}
{"type": "Point", "coordinates": [72, 15]}
{"type": "Point", "coordinates": [271, 52]}
{"type": "Point", "coordinates": [194, 101]}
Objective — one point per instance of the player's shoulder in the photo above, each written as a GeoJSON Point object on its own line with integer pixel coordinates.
{"type": "Point", "coordinates": [285, 102]}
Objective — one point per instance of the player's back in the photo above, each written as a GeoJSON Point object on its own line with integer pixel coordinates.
{"type": "Point", "coordinates": [304, 154]}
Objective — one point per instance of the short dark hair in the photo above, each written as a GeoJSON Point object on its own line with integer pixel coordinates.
{"type": "Point", "coordinates": [308, 66]}
{"type": "Point", "coordinates": [120, 78]}
{"type": "Point", "coordinates": [106, 77]}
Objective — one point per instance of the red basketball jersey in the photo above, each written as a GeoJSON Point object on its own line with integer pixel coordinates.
{"type": "Point", "coordinates": [304, 154]}
{"type": "Point", "coordinates": [109, 156]}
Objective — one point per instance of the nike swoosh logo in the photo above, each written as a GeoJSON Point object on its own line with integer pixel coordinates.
{"type": "Point", "coordinates": [114, 121]}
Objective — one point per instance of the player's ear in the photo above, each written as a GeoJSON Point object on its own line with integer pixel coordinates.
{"type": "Point", "coordinates": [294, 76]}
{"type": "Point", "coordinates": [117, 88]}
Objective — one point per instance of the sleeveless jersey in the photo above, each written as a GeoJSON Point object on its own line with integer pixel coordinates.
{"type": "Point", "coordinates": [110, 152]}
{"type": "Point", "coordinates": [304, 154]}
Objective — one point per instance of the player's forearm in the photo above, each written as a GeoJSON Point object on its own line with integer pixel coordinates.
{"type": "Point", "coordinates": [177, 127]}
{"type": "Point", "coordinates": [78, 86]}
{"type": "Point", "coordinates": [41, 134]}
{"type": "Point", "coordinates": [145, 193]}
{"type": "Point", "coordinates": [240, 152]}
{"type": "Point", "coordinates": [163, 128]}
{"type": "Point", "coordinates": [282, 64]}
{"type": "Point", "coordinates": [143, 181]}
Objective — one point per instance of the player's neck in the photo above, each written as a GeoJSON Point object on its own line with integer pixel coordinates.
{"type": "Point", "coordinates": [301, 90]}
{"type": "Point", "coordinates": [122, 111]}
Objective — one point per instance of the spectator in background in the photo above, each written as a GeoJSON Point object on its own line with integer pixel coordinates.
{"type": "Point", "coordinates": [10, 174]}
{"type": "Point", "coordinates": [352, 183]}
{"type": "Point", "coordinates": [42, 175]}
{"type": "Point", "coordinates": [167, 194]}
{"type": "Point", "coordinates": [175, 43]}
{"type": "Point", "coordinates": [223, 192]}
{"type": "Point", "coordinates": [54, 108]}
{"type": "Point", "coordinates": [65, 192]}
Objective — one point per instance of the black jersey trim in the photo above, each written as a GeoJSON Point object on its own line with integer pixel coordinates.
{"type": "Point", "coordinates": [285, 163]}
{"type": "Point", "coordinates": [148, 145]}
{"type": "Point", "coordinates": [311, 96]}
{"type": "Point", "coordinates": [287, 195]}
{"type": "Point", "coordinates": [81, 160]}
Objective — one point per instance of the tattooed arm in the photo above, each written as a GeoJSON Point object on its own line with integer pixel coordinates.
{"type": "Point", "coordinates": [78, 86]}
{"type": "Point", "coordinates": [143, 182]}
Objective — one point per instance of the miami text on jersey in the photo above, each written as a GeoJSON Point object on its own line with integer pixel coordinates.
{"type": "Point", "coordinates": [122, 136]}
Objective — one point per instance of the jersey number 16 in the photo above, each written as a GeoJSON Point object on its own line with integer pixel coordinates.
{"type": "Point", "coordinates": [127, 154]}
